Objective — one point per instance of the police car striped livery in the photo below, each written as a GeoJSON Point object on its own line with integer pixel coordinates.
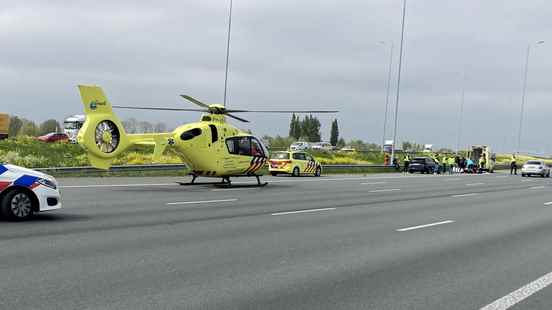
{"type": "Point", "coordinates": [25, 191]}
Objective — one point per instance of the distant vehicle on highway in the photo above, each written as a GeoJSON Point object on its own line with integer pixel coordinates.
{"type": "Point", "coordinates": [322, 146]}
{"type": "Point", "coordinates": [299, 146]}
{"type": "Point", "coordinates": [25, 191]}
{"type": "Point", "coordinates": [54, 137]}
{"type": "Point", "coordinates": [72, 125]}
{"type": "Point", "coordinates": [348, 149]}
{"type": "Point", "coordinates": [294, 163]}
{"type": "Point", "coordinates": [535, 167]}
{"type": "Point", "coordinates": [422, 165]}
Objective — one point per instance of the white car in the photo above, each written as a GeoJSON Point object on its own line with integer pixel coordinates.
{"type": "Point", "coordinates": [300, 146]}
{"type": "Point", "coordinates": [25, 191]}
{"type": "Point", "coordinates": [322, 146]}
{"type": "Point", "coordinates": [535, 167]}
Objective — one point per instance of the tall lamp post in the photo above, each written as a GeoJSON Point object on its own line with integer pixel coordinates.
{"type": "Point", "coordinates": [398, 83]}
{"type": "Point", "coordinates": [524, 91]}
{"type": "Point", "coordinates": [461, 115]}
{"type": "Point", "coordinates": [387, 94]}
{"type": "Point", "coordinates": [227, 52]}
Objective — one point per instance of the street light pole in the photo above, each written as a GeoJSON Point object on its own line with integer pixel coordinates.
{"type": "Point", "coordinates": [398, 84]}
{"type": "Point", "coordinates": [227, 52]}
{"type": "Point", "coordinates": [461, 115]}
{"type": "Point", "coordinates": [387, 95]}
{"type": "Point", "coordinates": [523, 93]}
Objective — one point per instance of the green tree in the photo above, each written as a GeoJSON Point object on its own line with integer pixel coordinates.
{"type": "Point", "coordinates": [295, 127]}
{"type": "Point", "coordinates": [334, 134]}
{"type": "Point", "coordinates": [341, 143]}
{"type": "Point", "coordinates": [29, 128]}
{"type": "Point", "coordinates": [15, 126]}
{"type": "Point", "coordinates": [48, 126]}
{"type": "Point", "coordinates": [311, 129]}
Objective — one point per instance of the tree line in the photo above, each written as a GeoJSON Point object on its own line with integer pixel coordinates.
{"type": "Point", "coordinates": [308, 129]}
{"type": "Point", "coordinates": [24, 127]}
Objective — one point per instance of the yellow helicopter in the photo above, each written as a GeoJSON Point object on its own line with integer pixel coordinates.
{"type": "Point", "coordinates": [210, 148]}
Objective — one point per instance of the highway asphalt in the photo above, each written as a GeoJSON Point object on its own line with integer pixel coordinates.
{"type": "Point", "coordinates": [386, 241]}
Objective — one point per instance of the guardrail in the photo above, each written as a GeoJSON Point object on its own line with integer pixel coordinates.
{"type": "Point", "coordinates": [125, 168]}
{"type": "Point", "coordinates": [174, 167]}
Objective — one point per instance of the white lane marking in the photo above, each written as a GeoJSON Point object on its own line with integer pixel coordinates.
{"type": "Point", "coordinates": [199, 202]}
{"type": "Point", "coordinates": [475, 184]}
{"type": "Point", "coordinates": [373, 183]}
{"type": "Point", "coordinates": [385, 190]}
{"type": "Point", "coordinates": [117, 185]}
{"type": "Point", "coordinates": [303, 211]}
{"type": "Point", "coordinates": [536, 187]}
{"type": "Point", "coordinates": [520, 294]}
{"type": "Point", "coordinates": [464, 195]}
{"type": "Point", "coordinates": [548, 203]}
{"type": "Point", "coordinates": [501, 176]}
{"type": "Point", "coordinates": [270, 181]}
{"type": "Point", "coordinates": [526, 180]}
{"type": "Point", "coordinates": [448, 180]}
{"type": "Point", "coordinates": [425, 225]}
{"type": "Point", "coordinates": [234, 189]}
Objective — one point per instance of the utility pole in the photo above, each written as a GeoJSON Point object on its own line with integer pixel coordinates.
{"type": "Point", "coordinates": [398, 84]}
{"type": "Point", "coordinates": [227, 53]}
{"type": "Point", "coordinates": [387, 95]}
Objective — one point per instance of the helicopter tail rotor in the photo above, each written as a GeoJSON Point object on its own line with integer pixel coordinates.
{"type": "Point", "coordinates": [103, 135]}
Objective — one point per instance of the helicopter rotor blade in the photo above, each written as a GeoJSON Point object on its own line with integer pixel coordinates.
{"type": "Point", "coordinates": [281, 111]}
{"type": "Point", "coordinates": [237, 118]}
{"type": "Point", "coordinates": [160, 109]}
{"type": "Point", "coordinates": [195, 101]}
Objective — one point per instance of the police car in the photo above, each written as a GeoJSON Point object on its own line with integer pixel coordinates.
{"type": "Point", "coordinates": [294, 163]}
{"type": "Point", "coordinates": [25, 191]}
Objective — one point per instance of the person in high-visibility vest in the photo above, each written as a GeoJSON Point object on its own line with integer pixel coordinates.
{"type": "Point", "coordinates": [406, 161]}
{"type": "Point", "coordinates": [437, 164]}
{"type": "Point", "coordinates": [513, 165]}
{"type": "Point", "coordinates": [386, 159]}
{"type": "Point", "coordinates": [482, 163]}
{"type": "Point", "coordinates": [451, 162]}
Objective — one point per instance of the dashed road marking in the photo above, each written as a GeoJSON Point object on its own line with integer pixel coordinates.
{"type": "Point", "coordinates": [373, 183]}
{"type": "Point", "coordinates": [475, 184]}
{"type": "Point", "coordinates": [425, 225]}
{"type": "Point", "coordinates": [464, 195]}
{"type": "Point", "coordinates": [302, 211]}
{"type": "Point", "coordinates": [537, 187]}
{"type": "Point", "coordinates": [520, 294]}
{"type": "Point", "coordinates": [200, 202]}
{"type": "Point", "coordinates": [385, 190]}
{"type": "Point", "coordinates": [548, 203]}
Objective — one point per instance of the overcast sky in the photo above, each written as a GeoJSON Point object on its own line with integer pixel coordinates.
{"type": "Point", "coordinates": [289, 54]}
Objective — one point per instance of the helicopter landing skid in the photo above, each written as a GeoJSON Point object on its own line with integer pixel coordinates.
{"type": "Point", "coordinates": [226, 183]}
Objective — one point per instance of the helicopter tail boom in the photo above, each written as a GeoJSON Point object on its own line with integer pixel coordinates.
{"type": "Point", "coordinates": [103, 135]}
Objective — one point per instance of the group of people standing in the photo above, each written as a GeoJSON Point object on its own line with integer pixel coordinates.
{"type": "Point", "coordinates": [448, 163]}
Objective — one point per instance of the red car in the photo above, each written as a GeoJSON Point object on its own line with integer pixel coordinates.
{"type": "Point", "coordinates": [54, 137]}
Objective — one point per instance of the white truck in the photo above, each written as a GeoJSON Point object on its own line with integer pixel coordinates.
{"type": "Point", "coordinates": [478, 151]}
{"type": "Point", "coordinates": [72, 125]}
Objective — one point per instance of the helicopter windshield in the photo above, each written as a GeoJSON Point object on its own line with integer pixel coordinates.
{"type": "Point", "coordinates": [246, 146]}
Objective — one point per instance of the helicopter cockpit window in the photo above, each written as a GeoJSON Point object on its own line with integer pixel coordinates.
{"type": "Point", "coordinates": [190, 134]}
{"type": "Point", "coordinates": [246, 146]}
{"type": "Point", "coordinates": [256, 148]}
